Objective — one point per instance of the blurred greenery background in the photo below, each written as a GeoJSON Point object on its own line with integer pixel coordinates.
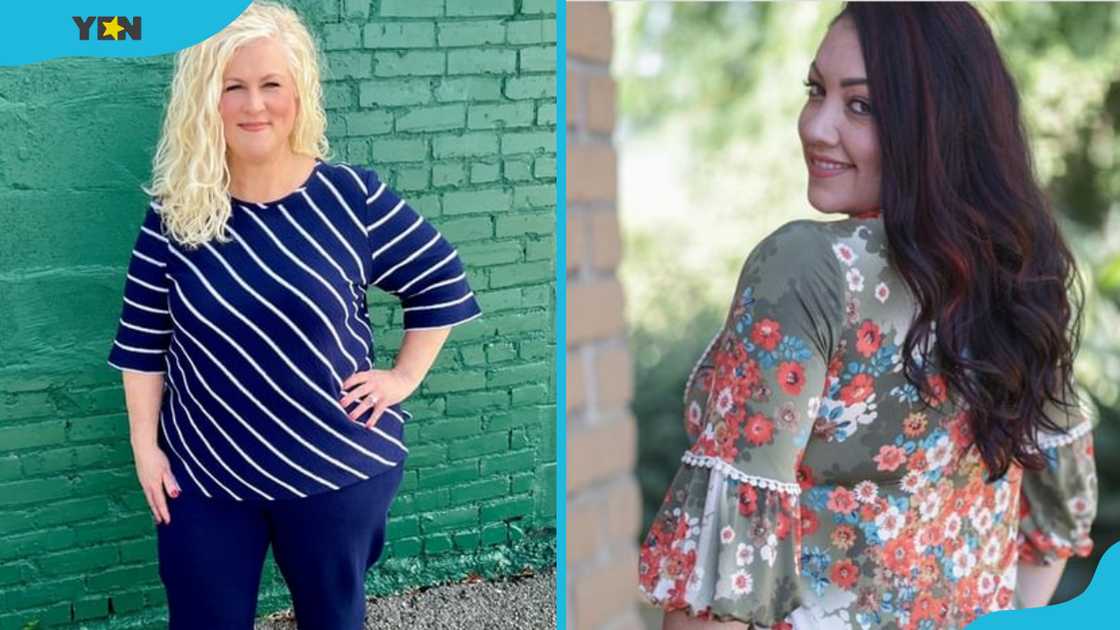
{"type": "Point", "coordinates": [710, 162]}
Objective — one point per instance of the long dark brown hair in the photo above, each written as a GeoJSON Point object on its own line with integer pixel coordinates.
{"type": "Point", "coordinates": [968, 227]}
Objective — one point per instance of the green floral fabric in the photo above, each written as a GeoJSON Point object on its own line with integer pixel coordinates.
{"type": "Point", "coordinates": [821, 489]}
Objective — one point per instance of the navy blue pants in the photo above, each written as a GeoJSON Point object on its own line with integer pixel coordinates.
{"type": "Point", "coordinates": [212, 553]}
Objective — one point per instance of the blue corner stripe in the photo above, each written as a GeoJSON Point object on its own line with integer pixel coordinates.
{"type": "Point", "coordinates": [561, 321]}
{"type": "Point", "coordinates": [1091, 608]}
{"type": "Point", "coordinates": [39, 31]}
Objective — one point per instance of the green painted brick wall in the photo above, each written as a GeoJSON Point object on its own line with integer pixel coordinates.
{"type": "Point", "coordinates": [453, 102]}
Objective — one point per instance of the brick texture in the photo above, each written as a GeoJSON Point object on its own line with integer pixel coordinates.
{"type": "Point", "coordinates": [603, 500]}
{"type": "Point", "coordinates": [453, 103]}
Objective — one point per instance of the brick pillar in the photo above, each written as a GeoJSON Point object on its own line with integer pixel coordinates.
{"type": "Point", "coordinates": [604, 505]}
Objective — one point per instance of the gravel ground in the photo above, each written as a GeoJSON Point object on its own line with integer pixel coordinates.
{"type": "Point", "coordinates": [523, 602]}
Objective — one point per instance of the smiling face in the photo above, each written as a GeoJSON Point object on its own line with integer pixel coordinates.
{"type": "Point", "coordinates": [838, 135]}
{"type": "Point", "coordinates": [259, 102]}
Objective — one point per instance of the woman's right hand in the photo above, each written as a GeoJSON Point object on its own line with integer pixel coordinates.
{"type": "Point", "coordinates": [154, 472]}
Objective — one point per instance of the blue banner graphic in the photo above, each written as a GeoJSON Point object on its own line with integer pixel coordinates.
{"type": "Point", "coordinates": [38, 31]}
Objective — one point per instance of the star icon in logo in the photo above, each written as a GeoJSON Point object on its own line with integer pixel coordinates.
{"type": "Point", "coordinates": [112, 28]}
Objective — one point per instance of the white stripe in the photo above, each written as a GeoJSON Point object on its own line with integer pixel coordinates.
{"type": "Point", "coordinates": [334, 230]}
{"type": "Point", "coordinates": [310, 303]}
{"type": "Point", "coordinates": [361, 184]}
{"type": "Point", "coordinates": [182, 402]}
{"type": "Point", "coordinates": [341, 273]}
{"type": "Point", "coordinates": [136, 349]}
{"type": "Point", "coordinates": [217, 425]}
{"type": "Point", "coordinates": [441, 263]}
{"type": "Point", "coordinates": [161, 311]}
{"type": "Point", "coordinates": [372, 198]}
{"type": "Point", "coordinates": [241, 387]}
{"type": "Point", "coordinates": [342, 200]}
{"type": "Point", "coordinates": [142, 329]}
{"type": "Point", "coordinates": [385, 435]}
{"type": "Point", "coordinates": [461, 321]}
{"type": "Point", "coordinates": [147, 258]}
{"type": "Point", "coordinates": [397, 416]}
{"type": "Point", "coordinates": [385, 218]}
{"type": "Point", "coordinates": [183, 441]}
{"type": "Point", "coordinates": [121, 367]}
{"type": "Point", "coordinates": [295, 259]}
{"type": "Point", "coordinates": [397, 238]}
{"type": "Point", "coordinates": [436, 285]}
{"type": "Point", "coordinates": [280, 390]}
{"type": "Point", "coordinates": [146, 284]}
{"type": "Point", "coordinates": [287, 361]}
{"type": "Point", "coordinates": [176, 453]}
{"type": "Point", "coordinates": [440, 305]}
{"type": "Point", "coordinates": [156, 205]}
{"type": "Point", "coordinates": [153, 233]}
{"type": "Point", "coordinates": [411, 257]}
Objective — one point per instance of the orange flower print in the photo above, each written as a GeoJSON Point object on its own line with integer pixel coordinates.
{"type": "Point", "coordinates": [767, 333]}
{"type": "Point", "coordinates": [791, 376]}
{"type": "Point", "coordinates": [748, 499]}
{"type": "Point", "coordinates": [858, 390]}
{"type": "Point", "coordinates": [836, 364]}
{"type": "Point", "coordinates": [937, 391]}
{"type": "Point", "coordinates": [914, 425]}
{"type": "Point", "coordinates": [845, 574]}
{"type": "Point", "coordinates": [960, 430]}
{"type": "Point", "coordinates": [899, 556]}
{"type": "Point", "coordinates": [809, 521]}
{"type": "Point", "coordinates": [929, 570]}
{"type": "Point", "coordinates": [926, 606]}
{"type": "Point", "coordinates": [890, 457]}
{"type": "Point", "coordinates": [842, 501]}
{"type": "Point", "coordinates": [783, 527]}
{"type": "Point", "coordinates": [1003, 597]}
{"type": "Point", "coordinates": [678, 564]}
{"type": "Point", "coordinates": [966, 593]}
{"type": "Point", "coordinates": [805, 476]}
{"type": "Point", "coordinates": [759, 430]}
{"type": "Point", "coordinates": [917, 461]}
{"type": "Point", "coordinates": [869, 338]}
{"type": "Point", "coordinates": [843, 537]}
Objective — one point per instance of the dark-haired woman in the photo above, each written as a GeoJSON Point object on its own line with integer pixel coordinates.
{"type": "Point", "coordinates": [885, 432]}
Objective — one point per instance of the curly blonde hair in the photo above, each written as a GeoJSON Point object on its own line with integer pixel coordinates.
{"type": "Point", "coordinates": [190, 174]}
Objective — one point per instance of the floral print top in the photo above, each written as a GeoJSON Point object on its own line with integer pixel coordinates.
{"type": "Point", "coordinates": [822, 490]}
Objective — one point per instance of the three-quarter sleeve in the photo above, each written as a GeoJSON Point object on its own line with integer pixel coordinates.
{"type": "Point", "coordinates": [1057, 505]}
{"type": "Point", "coordinates": [413, 261]}
{"type": "Point", "coordinates": [726, 542]}
{"type": "Point", "coordinates": [144, 329]}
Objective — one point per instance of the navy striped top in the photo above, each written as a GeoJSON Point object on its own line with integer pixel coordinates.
{"type": "Point", "coordinates": [256, 336]}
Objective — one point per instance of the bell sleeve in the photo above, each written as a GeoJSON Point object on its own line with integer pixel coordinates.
{"type": "Point", "coordinates": [144, 328]}
{"type": "Point", "coordinates": [726, 543]}
{"type": "Point", "coordinates": [1057, 505]}
{"type": "Point", "coordinates": [414, 262]}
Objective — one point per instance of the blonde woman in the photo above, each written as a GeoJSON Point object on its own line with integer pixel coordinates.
{"type": "Point", "coordinates": [256, 416]}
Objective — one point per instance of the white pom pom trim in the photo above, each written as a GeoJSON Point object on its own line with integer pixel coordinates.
{"type": "Point", "coordinates": [1048, 439]}
{"type": "Point", "coordinates": [705, 461]}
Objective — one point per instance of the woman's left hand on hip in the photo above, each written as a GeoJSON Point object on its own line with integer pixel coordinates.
{"type": "Point", "coordinates": [376, 389]}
